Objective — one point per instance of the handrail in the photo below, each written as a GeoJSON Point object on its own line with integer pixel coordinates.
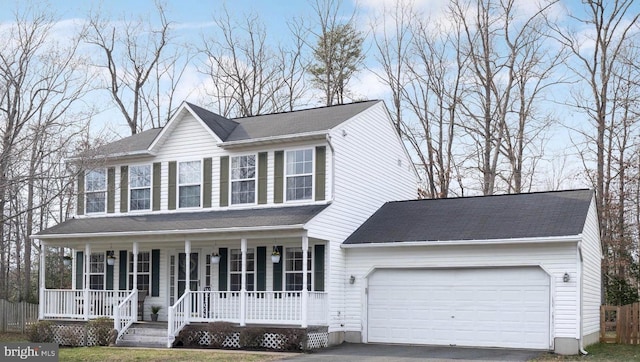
{"type": "Point", "coordinates": [124, 314]}
{"type": "Point", "coordinates": [177, 317]}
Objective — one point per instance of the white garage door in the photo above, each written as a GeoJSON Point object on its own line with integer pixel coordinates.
{"type": "Point", "coordinates": [498, 307]}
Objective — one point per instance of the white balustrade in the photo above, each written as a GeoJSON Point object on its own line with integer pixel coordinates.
{"type": "Point", "coordinates": [125, 313]}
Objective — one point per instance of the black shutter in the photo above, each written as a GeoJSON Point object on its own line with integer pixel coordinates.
{"type": "Point", "coordinates": [79, 269]}
{"type": "Point", "coordinates": [109, 273]}
{"type": "Point", "coordinates": [122, 262]}
{"type": "Point", "coordinates": [318, 270]}
{"type": "Point", "coordinates": [155, 272]}
{"type": "Point", "coordinates": [261, 268]}
{"type": "Point", "coordinates": [222, 269]}
{"type": "Point", "coordinates": [277, 271]}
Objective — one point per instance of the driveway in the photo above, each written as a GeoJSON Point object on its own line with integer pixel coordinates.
{"type": "Point", "coordinates": [357, 352]}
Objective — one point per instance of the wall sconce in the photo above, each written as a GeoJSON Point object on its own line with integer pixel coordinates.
{"type": "Point", "coordinates": [215, 258]}
{"type": "Point", "coordinates": [66, 260]}
{"type": "Point", "coordinates": [352, 279]}
{"type": "Point", "coordinates": [566, 277]}
{"type": "Point", "coordinates": [111, 259]}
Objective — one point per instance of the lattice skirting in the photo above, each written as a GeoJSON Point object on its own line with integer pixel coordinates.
{"type": "Point", "coordinates": [78, 334]}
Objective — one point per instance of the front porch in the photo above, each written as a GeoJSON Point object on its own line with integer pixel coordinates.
{"type": "Point", "coordinates": [236, 282]}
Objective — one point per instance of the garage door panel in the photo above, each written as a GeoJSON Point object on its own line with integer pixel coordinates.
{"type": "Point", "coordinates": [506, 307]}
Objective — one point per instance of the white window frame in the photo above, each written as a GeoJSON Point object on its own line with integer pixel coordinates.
{"type": "Point", "coordinates": [251, 268]}
{"type": "Point", "coordinates": [150, 187]}
{"type": "Point", "coordinates": [287, 175]}
{"type": "Point", "coordinates": [186, 184]}
{"type": "Point", "coordinates": [310, 281]}
{"type": "Point", "coordinates": [140, 270]}
{"type": "Point", "coordinates": [87, 192]}
{"type": "Point", "coordinates": [99, 264]}
{"type": "Point", "coordinates": [254, 179]}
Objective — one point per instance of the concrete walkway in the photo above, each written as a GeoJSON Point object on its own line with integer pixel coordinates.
{"type": "Point", "coordinates": [386, 353]}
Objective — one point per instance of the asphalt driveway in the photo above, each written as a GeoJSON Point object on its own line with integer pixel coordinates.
{"type": "Point", "coordinates": [357, 352]}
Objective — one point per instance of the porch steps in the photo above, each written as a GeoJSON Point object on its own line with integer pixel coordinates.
{"type": "Point", "coordinates": [145, 334]}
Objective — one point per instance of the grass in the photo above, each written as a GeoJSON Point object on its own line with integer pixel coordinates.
{"type": "Point", "coordinates": [13, 337]}
{"type": "Point", "coordinates": [600, 352]}
{"type": "Point", "coordinates": [121, 354]}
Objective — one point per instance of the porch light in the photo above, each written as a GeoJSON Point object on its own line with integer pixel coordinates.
{"type": "Point", "coordinates": [275, 256]}
{"type": "Point", "coordinates": [111, 259]}
{"type": "Point", "coordinates": [566, 277]}
{"type": "Point", "coordinates": [66, 260]}
{"type": "Point", "coordinates": [215, 258]}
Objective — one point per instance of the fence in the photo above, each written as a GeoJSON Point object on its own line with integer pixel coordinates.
{"type": "Point", "coordinates": [15, 317]}
{"type": "Point", "coordinates": [620, 324]}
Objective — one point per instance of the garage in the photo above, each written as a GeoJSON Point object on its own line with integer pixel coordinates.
{"type": "Point", "coordinates": [484, 307]}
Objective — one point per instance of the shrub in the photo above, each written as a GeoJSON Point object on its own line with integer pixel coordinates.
{"type": "Point", "coordinates": [101, 328]}
{"type": "Point", "coordinates": [40, 332]}
{"type": "Point", "coordinates": [251, 337]}
{"type": "Point", "coordinates": [219, 332]}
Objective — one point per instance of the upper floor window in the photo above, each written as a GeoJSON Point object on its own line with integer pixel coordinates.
{"type": "Point", "coordinates": [243, 179]}
{"type": "Point", "coordinates": [299, 175]}
{"type": "Point", "coordinates": [235, 269]}
{"type": "Point", "coordinates": [189, 179]}
{"type": "Point", "coordinates": [140, 187]}
{"type": "Point", "coordinates": [96, 190]}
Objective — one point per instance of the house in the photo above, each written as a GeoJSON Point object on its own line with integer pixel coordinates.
{"type": "Point", "coordinates": [518, 271]}
{"type": "Point", "coordinates": [291, 219]}
{"type": "Point", "coordinates": [192, 213]}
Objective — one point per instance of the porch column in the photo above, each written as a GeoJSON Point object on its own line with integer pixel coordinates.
{"type": "Point", "coordinates": [243, 286]}
{"type": "Point", "coordinates": [85, 286]}
{"type": "Point", "coordinates": [187, 281]}
{"type": "Point", "coordinates": [41, 279]}
{"type": "Point", "coordinates": [134, 287]}
{"type": "Point", "coordinates": [305, 290]}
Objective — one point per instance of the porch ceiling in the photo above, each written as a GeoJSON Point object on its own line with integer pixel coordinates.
{"type": "Point", "coordinates": [211, 221]}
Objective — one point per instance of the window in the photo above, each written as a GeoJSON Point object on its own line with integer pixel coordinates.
{"type": "Point", "coordinates": [96, 271]}
{"type": "Point", "coordinates": [243, 179]}
{"type": "Point", "coordinates": [189, 178]}
{"type": "Point", "coordinates": [235, 269]}
{"type": "Point", "coordinates": [299, 175]}
{"type": "Point", "coordinates": [96, 190]}
{"type": "Point", "coordinates": [140, 187]}
{"type": "Point", "coordinates": [293, 269]}
{"type": "Point", "coordinates": [144, 271]}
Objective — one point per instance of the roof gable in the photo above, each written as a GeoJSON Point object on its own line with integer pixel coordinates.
{"type": "Point", "coordinates": [532, 215]}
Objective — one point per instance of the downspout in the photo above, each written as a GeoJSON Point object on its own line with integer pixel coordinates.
{"type": "Point", "coordinates": [580, 304]}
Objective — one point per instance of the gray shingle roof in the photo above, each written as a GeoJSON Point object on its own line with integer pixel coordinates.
{"type": "Point", "coordinates": [544, 214]}
{"type": "Point", "coordinates": [246, 218]}
{"type": "Point", "coordinates": [137, 143]}
{"type": "Point", "coordinates": [219, 125]}
{"type": "Point", "coordinates": [289, 123]}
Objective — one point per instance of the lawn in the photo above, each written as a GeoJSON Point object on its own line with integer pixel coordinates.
{"type": "Point", "coordinates": [601, 352]}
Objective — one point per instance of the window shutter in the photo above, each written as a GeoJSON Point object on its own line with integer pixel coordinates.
{"type": "Point", "coordinates": [79, 269]}
{"type": "Point", "coordinates": [224, 181]}
{"type": "Point", "coordinates": [122, 269]}
{"type": "Point", "coordinates": [124, 188]}
{"type": "Point", "coordinates": [278, 179]}
{"type": "Point", "coordinates": [80, 200]}
{"type": "Point", "coordinates": [155, 272]}
{"type": "Point", "coordinates": [157, 182]}
{"type": "Point", "coordinates": [318, 270]}
{"type": "Point", "coordinates": [277, 271]}
{"type": "Point", "coordinates": [262, 177]}
{"type": "Point", "coordinates": [109, 283]}
{"type": "Point", "coordinates": [261, 268]}
{"type": "Point", "coordinates": [172, 185]}
{"type": "Point", "coordinates": [111, 190]}
{"type": "Point", "coordinates": [206, 182]}
{"type": "Point", "coordinates": [222, 269]}
{"type": "Point", "coordinates": [321, 157]}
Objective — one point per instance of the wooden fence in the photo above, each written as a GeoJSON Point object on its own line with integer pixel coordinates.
{"type": "Point", "coordinates": [15, 317]}
{"type": "Point", "coordinates": [620, 324]}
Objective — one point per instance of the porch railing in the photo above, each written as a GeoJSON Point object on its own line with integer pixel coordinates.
{"type": "Point", "coordinates": [125, 313]}
{"type": "Point", "coordinates": [177, 318]}
{"type": "Point", "coordinates": [70, 304]}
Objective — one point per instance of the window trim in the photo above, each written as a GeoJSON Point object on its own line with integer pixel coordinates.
{"type": "Point", "coordinates": [312, 174]}
{"type": "Point", "coordinates": [130, 269]}
{"type": "Point", "coordinates": [104, 269]}
{"type": "Point", "coordinates": [178, 184]}
{"type": "Point", "coordinates": [310, 271]}
{"type": "Point", "coordinates": [254, 179]}
{"type": "Point", "coordinates": [104, 191]}
{"type": "Point", "coordinates": [150, 187]}
{"type": "Point", "coordinates": [230, 271]}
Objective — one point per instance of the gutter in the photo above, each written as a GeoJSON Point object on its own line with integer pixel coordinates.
{"type": "Point", "coordinates": [548, 239]}
{"type": "Point", "coordinates": [168, 232]}
{"type": "Point", "coordinates": [273, 139]}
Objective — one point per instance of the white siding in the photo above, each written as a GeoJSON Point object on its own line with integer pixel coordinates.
{"type": "Point", "coordinates": [370, 168]}
{"type": "Point", "coordinates": [555, 259]}
{"type": "Point", "coordinates": [591, 283]}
